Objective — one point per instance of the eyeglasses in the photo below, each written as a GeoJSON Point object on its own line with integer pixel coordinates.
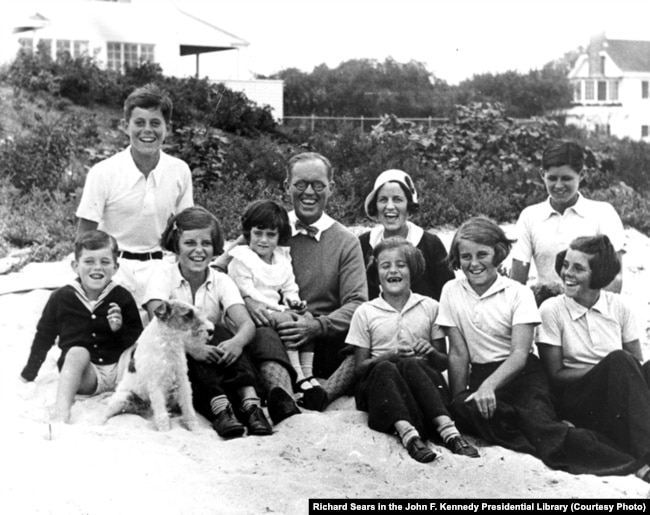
{"type": "Point", "coordinates": [317, 186]}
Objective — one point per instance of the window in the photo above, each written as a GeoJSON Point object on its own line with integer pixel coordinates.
{"type": "Point", "coordinates": [613, 90]}
{"type": "Point", "coordinates": [644, 131]}
{"type": "Point", "coordinates": [589, 90]}
{"type": "Point", "coordinates": [80, 48]}
{"type": "Point", "coordinates": [120, 55]}
{"type": "Point", "coordinates": [644, 89]}
{"type": "Point", "coordinates": [577, 91]}
{"type": "Point", "coordinates": [602, 90]}
{"type": "Point", "coordinates": [26, 45]}
{"type": "Point", "coordinates": [63, 46]}
{"type": "Point", "coordinates": [602, 65]}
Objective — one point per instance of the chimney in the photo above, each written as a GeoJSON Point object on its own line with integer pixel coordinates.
{"type": "Point", "coordinates": [597, 44]}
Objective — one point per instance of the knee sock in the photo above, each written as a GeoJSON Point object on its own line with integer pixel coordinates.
{"type": "Point", "coordinates": [219, 404]}
{"type": "Point", "coordinates": [307, 366]}
{"type": "Point", "coordinates": [340, 382]}
{"type": "Point", "coordinates": [295, 358]}
{"type": "Point", "coordinates": [276, 376]}
{"type": "Point", "coordinates": [446, 428]}
{"type": "Point", "coordinates": [406, 431]}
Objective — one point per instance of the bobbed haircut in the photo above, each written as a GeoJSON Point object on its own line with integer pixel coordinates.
{"type": "Point", "coordinates": [149, 96]}
{"type": "Point", "coordinates": [309, 156]}
{"type": "Point", "coordinates": [95, 240]}
{"type": "Point", "coordinates": [191, 219]}
{"type": "Point", "coordinates": [563, 153]}
{"type": "Point", "coordinates": [603, 260]}
{"type": "Point", "coordinates": [483, 231]}
{"type": "Point", "coordinates": [413, 257]}
{"type": "Point", "coordinates": [411, 207]}
{"type": "Point", "coordinates": [266, 214]}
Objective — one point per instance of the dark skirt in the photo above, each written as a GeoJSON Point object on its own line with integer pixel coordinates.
{"type": "Point", "coordinates": [613, 398]}
{"type": "Point", "coordinates": [402, 389]}
{"type": "Point", "coordinates": [210, 380]}
{"type": "Point", "coordinates": [525, 421]}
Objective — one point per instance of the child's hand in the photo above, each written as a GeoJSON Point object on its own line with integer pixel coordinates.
{"type": "Point", "coordinates": [114, 317]}
{"type": "Point", "coordinates": [299, 306]}
{"type": "Point", "coordinates": [230, 352]}
{"type": "Point", "coordinates": [405, 351]}
{"type": "Point", "coordinates": [422, 347]}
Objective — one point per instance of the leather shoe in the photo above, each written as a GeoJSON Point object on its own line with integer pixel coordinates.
{"type": "Point", "coordinates": [256, 422]}
{"type": "Point", "coordinates": [226, 425]}
{"type": "Point", "coordinates": [419, 451]}
{"type": "Point", "coordinates": [281, 405]}
{"type": "Point", "coordinates": [314, 399]}
{"type": "Point", "coordinates": [458, 445]}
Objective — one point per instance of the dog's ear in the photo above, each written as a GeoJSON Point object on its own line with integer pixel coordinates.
{"type": "Point", "coordinates": [163, 311]}
{"type": "Point", "coordinates": [186, 312]}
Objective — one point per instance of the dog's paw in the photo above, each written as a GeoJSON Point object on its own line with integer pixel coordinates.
{"type": "Point", "coordinates": [163, 423]}
{"type": "Point", "coordinates": [191, 423]}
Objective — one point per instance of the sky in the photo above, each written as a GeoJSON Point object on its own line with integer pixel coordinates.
{"type": "Point", "coordinates": [454, 39]}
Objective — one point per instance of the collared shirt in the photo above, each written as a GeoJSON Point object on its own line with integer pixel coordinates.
{"type": "Point", "coordinates": [376, 325]}
{"type": "Point", "coordinates": [131, 207]}
{"type": "Point", "coordinates": [587, 335]}
{"type": "Point", "coordinates": [322, 224]}
{"type": "Point", "coordinates": [214, 297]}
{"type": "Point", "coordinates": [542, 232]}
{"type": "Point", "coordinates": [486, 321]}
{"type": "Point", "coordinates": [414, 235]}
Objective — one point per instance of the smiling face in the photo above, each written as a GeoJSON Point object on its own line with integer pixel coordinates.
{"type": "Point", "coordinates": [562, 184]}
{"type": "Point", "coordinates": [394, 273]}
{"type": "Point", "coordinates": [95, 269]}
{"type": "Point", "coordinates": [392, 209]}
{"type": "Point", "coordinates": [576, 276]}
{"type": "Point", "coordinates": [263, 242]}
{"type": "Point", "coordinates": [309, 204]}
{"type": "Point", "coordinates": [195, 251]}
{"type": "Point", "coordinates": [477, 263]}
{"type": "Point", "coordinates": [146, 129]}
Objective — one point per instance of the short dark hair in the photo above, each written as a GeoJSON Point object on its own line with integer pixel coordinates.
{"type": "Point", "coordinates": [483, 231]}
{"type": "Point", "coordinates": [412, 255]}
{"type": "Point", "coordinates": [603, 261]}
{"type": "Point", "coordinates": [411, 207]}
{"type": "Point", "coordinates": [563, 153]}
{"type": "Point", "coordinates": [309, 156]}
{"type": "Point", "coordinates": [190, 219]}
{"type": "Point", "coordinates": [149, 96]}
{"type": "Point", "coordinates": [95, 240]}
{"type": "Point", "coordinates": [267, 214]}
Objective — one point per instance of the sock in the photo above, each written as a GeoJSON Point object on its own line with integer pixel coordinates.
{"type": "Point", "coordinates": [446, 428]}
{"type": "Point", "coordinates": [248, 397]}
{"type": "Point", "coordinates": [643, 473]}
{"type": "Point", "coordinates": [406, 431]}
{"type": "Point", "coordinates": [307, 363]}
{"type": "Point", "coordinates": [295, 358]}
{"type": "Point", "coordinates": [276, 376]}
{"type": "Point", "coordinates": [219, 403]}
{"type": "Point", "coordinates": [340, 382]}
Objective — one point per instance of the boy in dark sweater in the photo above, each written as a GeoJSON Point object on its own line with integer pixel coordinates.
{"type": "Point", "coordinates": [95, 320]}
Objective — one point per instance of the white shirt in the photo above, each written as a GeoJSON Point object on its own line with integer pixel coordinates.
{"type": "Point", "coordinates": [542, 232]}
{"type": "Point", "coordinates": [322, 224]}
{"type": "Point", "coordinates": [130, 207]}
{"type": "Point", "coordinates": [272, 283]}
{"type": "Point", "coordinates": [587, 335]}
{"type": "Point", "coordinates": [486, 321]}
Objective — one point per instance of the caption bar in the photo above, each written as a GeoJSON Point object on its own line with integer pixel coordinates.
{"type": "Point", "coordinates": [322, 506]}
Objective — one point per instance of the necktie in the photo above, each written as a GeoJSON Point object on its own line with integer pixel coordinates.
{"type": "Point", "coordinates": [307, 230]}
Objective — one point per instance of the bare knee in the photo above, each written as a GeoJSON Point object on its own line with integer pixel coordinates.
{"type": "Point", "coordinates": [76, 357]}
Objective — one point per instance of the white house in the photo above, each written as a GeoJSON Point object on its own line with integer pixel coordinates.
{"type": "Point", "coordinates": [130, 32]}
{"type": "Point", "coordinates": [611, 82]}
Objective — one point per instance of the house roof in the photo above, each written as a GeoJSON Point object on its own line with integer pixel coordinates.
{"type": "Point", "coordinates": [133, 22]}
{"type": "Point", "coordinates": [629, 56]}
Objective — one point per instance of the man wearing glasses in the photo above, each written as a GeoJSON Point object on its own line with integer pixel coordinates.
{"type": "Point", "coordinates": [329, 269]}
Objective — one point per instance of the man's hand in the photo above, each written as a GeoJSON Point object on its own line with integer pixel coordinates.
{"type": "Point", "coordinates": [422, 347]}
{"type": "Point", "coordinates": [301, 330]}
{"type": "Point", "coordinates": [485, 400]}
{"type": "Point", "coordinates": [260, 311]}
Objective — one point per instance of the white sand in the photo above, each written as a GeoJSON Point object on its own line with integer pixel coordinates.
{"type": "Point", "coordinates": [127, 467]}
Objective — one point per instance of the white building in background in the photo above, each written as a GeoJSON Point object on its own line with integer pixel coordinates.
{"type": "Point", "coordinates": [611, 84]}
{"type": "Point", "coordinates": [130, 32]}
